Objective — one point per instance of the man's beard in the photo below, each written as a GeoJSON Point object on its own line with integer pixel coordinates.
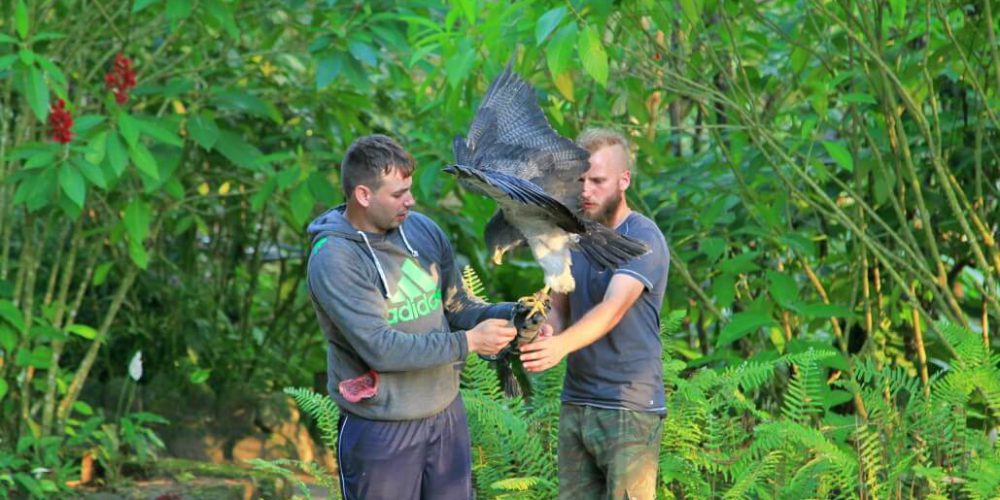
{"type": "Point", "coordinates": [606, 212]}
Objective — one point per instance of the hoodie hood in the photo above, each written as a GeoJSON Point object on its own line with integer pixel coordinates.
{"type": "Point", "coordinates": [333, 222]}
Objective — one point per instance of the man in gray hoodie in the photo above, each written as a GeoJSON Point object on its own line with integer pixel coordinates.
{"type": "Point", "coordinates": [387, 294]}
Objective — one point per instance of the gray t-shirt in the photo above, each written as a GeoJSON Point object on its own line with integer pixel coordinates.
{"type": "Point", "coordinates": [624, 369]}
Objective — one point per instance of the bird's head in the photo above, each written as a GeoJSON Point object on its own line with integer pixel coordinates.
{"type": "Point", "coordinates": [497, 248]}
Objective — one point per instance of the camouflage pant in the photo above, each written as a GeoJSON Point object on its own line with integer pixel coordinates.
{"type": "Point", "coordinates": [610, 454]}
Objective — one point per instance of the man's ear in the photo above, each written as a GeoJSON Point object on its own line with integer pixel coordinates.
{"type": "Point", "coordinates": [625, 180]}
{"type": "Point", "coordinates": [363, 195]}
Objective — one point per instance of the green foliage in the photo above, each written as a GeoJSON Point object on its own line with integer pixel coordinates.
{"type": "Point", "coordinates": [828, 187]}
{"type": "Point", "coordinates": [473, 285]}
{"type": "Point", "coordinates": [325, 414]}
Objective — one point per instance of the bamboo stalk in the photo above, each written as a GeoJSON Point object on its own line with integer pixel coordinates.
{"type": "Point", "coordinates": [83, 370]}
{"type": "Point", "coordinates": [986, 326]}
{"type": "Point", "coordinates": [921, 121]}
{"type": "Point", "coordinates": [785, 316]}
{"type": "Point", "coordinates": [994, 50]}
{"type": "Point", "coordinates": [919, 339]}
{"type": "Point", "coordinates": [30, 261]}
{"type": "Point", "coordinates": [48, 400]}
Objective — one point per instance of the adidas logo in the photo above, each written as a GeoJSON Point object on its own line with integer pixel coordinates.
{"type": "Point", "coordinates": [417, 295]}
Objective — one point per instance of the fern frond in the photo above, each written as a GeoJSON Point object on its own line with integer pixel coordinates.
{"type": "Point", "coordinates": [516, 483]}
{"type": "Point", "coordinates": [473, 285]}
{"type": "Point", "coordinates": [279, 467]}
{"type": "Point", "coordinates": [321, 408]}
{"type": "Point", "coordinates": [804, 397]}
{"type": "Point", "coordinates": [983, 479]}
{"type": "Point", "coordinates": [749, 480]}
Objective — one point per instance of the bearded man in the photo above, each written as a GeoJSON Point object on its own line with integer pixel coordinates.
{"type": "Point", "coordinates": [608, 328]}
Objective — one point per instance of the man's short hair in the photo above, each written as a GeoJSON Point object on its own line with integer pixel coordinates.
{"type": "Point", "coordinates": [593, 139]}
{"type": "Point", "coordinates": [370, 158]}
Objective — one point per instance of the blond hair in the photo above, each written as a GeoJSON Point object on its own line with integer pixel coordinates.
{"type": "Point", "coordinates": [593, 139]}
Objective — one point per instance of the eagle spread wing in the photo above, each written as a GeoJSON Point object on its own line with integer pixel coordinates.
{"type": "Point", "coordinates": [512, 155]}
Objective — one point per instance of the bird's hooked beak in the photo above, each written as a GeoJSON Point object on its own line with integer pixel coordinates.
{"type": "Point", "coordinates": [451, 169]}
{"type": "Point", "coordinates": [498, 255]}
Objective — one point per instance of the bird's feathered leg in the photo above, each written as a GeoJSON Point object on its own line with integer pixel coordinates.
{"type": "Point", "coordinates": [537, 305]}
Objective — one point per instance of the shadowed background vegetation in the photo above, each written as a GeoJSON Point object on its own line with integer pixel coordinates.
{"type": "Point", "coordinates": [824, 171]}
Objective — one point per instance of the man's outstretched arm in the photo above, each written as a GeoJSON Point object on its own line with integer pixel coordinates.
{"type": "Point", "coordinates": [622, 292]}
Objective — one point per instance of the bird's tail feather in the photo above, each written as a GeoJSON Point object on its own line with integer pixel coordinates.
{"type": "Point", "coordinates": [607, 248]}
{"type": "Point", "coordinates": [513, 379]}
{"type": "Point", "coordinates": [508, 380]}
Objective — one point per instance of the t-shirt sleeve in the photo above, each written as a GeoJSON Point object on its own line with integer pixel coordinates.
{"type": "Point", "coordinates": [651, 268]}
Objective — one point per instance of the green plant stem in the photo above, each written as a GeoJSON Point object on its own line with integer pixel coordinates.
{"type": "Point", "coordinates": [52, 375]}
{"type": "Point", "coordinates": [83, 370]}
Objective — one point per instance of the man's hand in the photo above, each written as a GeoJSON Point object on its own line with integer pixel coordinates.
{"type": "Point", "coordinates": [490, 336]}
{"type": "Point", "coordinates": [546, 331]}
{"type": "Point", "coordinates": [544, 353]}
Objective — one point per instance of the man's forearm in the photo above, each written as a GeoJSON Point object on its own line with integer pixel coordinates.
{"type": "Point", "coordinates": [622, 292]}
{"type": "Point", "coordinates": [591, 327]}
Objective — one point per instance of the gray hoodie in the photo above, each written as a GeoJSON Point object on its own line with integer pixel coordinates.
{"type": "Point", "coordinates": [388, 302]}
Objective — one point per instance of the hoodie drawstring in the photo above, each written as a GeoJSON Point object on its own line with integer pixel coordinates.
{"type": "Point", "coordinates": [378, 265]}
{"type": "Point", "coordinates": [406, 242]}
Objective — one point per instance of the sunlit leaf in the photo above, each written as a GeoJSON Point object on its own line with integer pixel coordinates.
{"type": "Point", "coordinates": [137, 219]}
{"type": "Point", "coordinates": [547, 23]}
{"type": "Point", "coordinates": [84, 331]}
{"type": "Point", "coordinates": [595, 59]}
{"type": "Point", "coordinates": [21, 19]}
{"type": "Point", "coordinates": [144, 160]}
{"type": "Point", "coordinates": [12, 314]}
{"type": "Point", "coordinates": [840, 154]}
{"type": "Point", "coordinates": [200, 375]}
{"type": "Point", "coordinates": [37, 93]}
{"type": "Point", "coordinates": [72, 183]}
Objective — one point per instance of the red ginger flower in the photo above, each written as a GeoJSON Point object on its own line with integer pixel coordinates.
{"type": "Point", "coordinates": [121, 78]}
{"type": "Point", "coordinates": [61, 121]}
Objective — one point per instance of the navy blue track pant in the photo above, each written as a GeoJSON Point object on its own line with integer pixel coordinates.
{"type": "Point", "coordinates": [428, 458]}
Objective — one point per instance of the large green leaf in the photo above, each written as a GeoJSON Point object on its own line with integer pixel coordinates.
{"type": "Point", "coordinates": [178, 9]}
{"type": "Point", "coordinates": [8, 337]}
{"type": "Point", "coordinates": [139, 5]}
{"type": "Point", "coordinates": [301, 204]}
{"type": "Point", "coordinates": [87, 332]}
{"type": "Point", "coordinates": [129, 128]}
{"type": "Point", "coordinates": [137, 219]}
{"type": "Point", "coordinates": [203, 130]}
{"type": "Point", "coordinates": [12, 314]}
{"type": "Point", "coordinates": [742, 324]}
{"type": "Point", "coordinates": [72, 183]}
{"type": "Point", "coordinates": [117, 154]}
{"type": "Point", "coordinates": [243, 101]}
{"type": "Point", "coordinates": [691, 10]}
{"type": "Point", "coordinates": [21, 23]}
{"type": "Point", "coordinates": [548, 22]}
{"type": "Point", "coordinates": [237, 150]}
{"type": "Point", "coordinates": [363, 52]}
{"type": "Point", "coordinates": [840, 154]}
{"type": "Point", "coordinates": [782, 288]}
{"type": "Point", "coordinates": [595, 59]}
{"type": "Point", "coordinates": [459, 66]}
{"type": "Point", "coordinates": [160, 130]}
{"type": "Point", "coordinates": [37, 93]}
{"type": "Point", "coordinates": [327, 70]}
{"type": "Point", "coordinates": [144, 160]}
{"type": "Point", "coordinates": [560, 49]}
{"type": "Point", "coordinates": [220, 12]}
{"type": "Point", "coordinates": [91, 172]}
